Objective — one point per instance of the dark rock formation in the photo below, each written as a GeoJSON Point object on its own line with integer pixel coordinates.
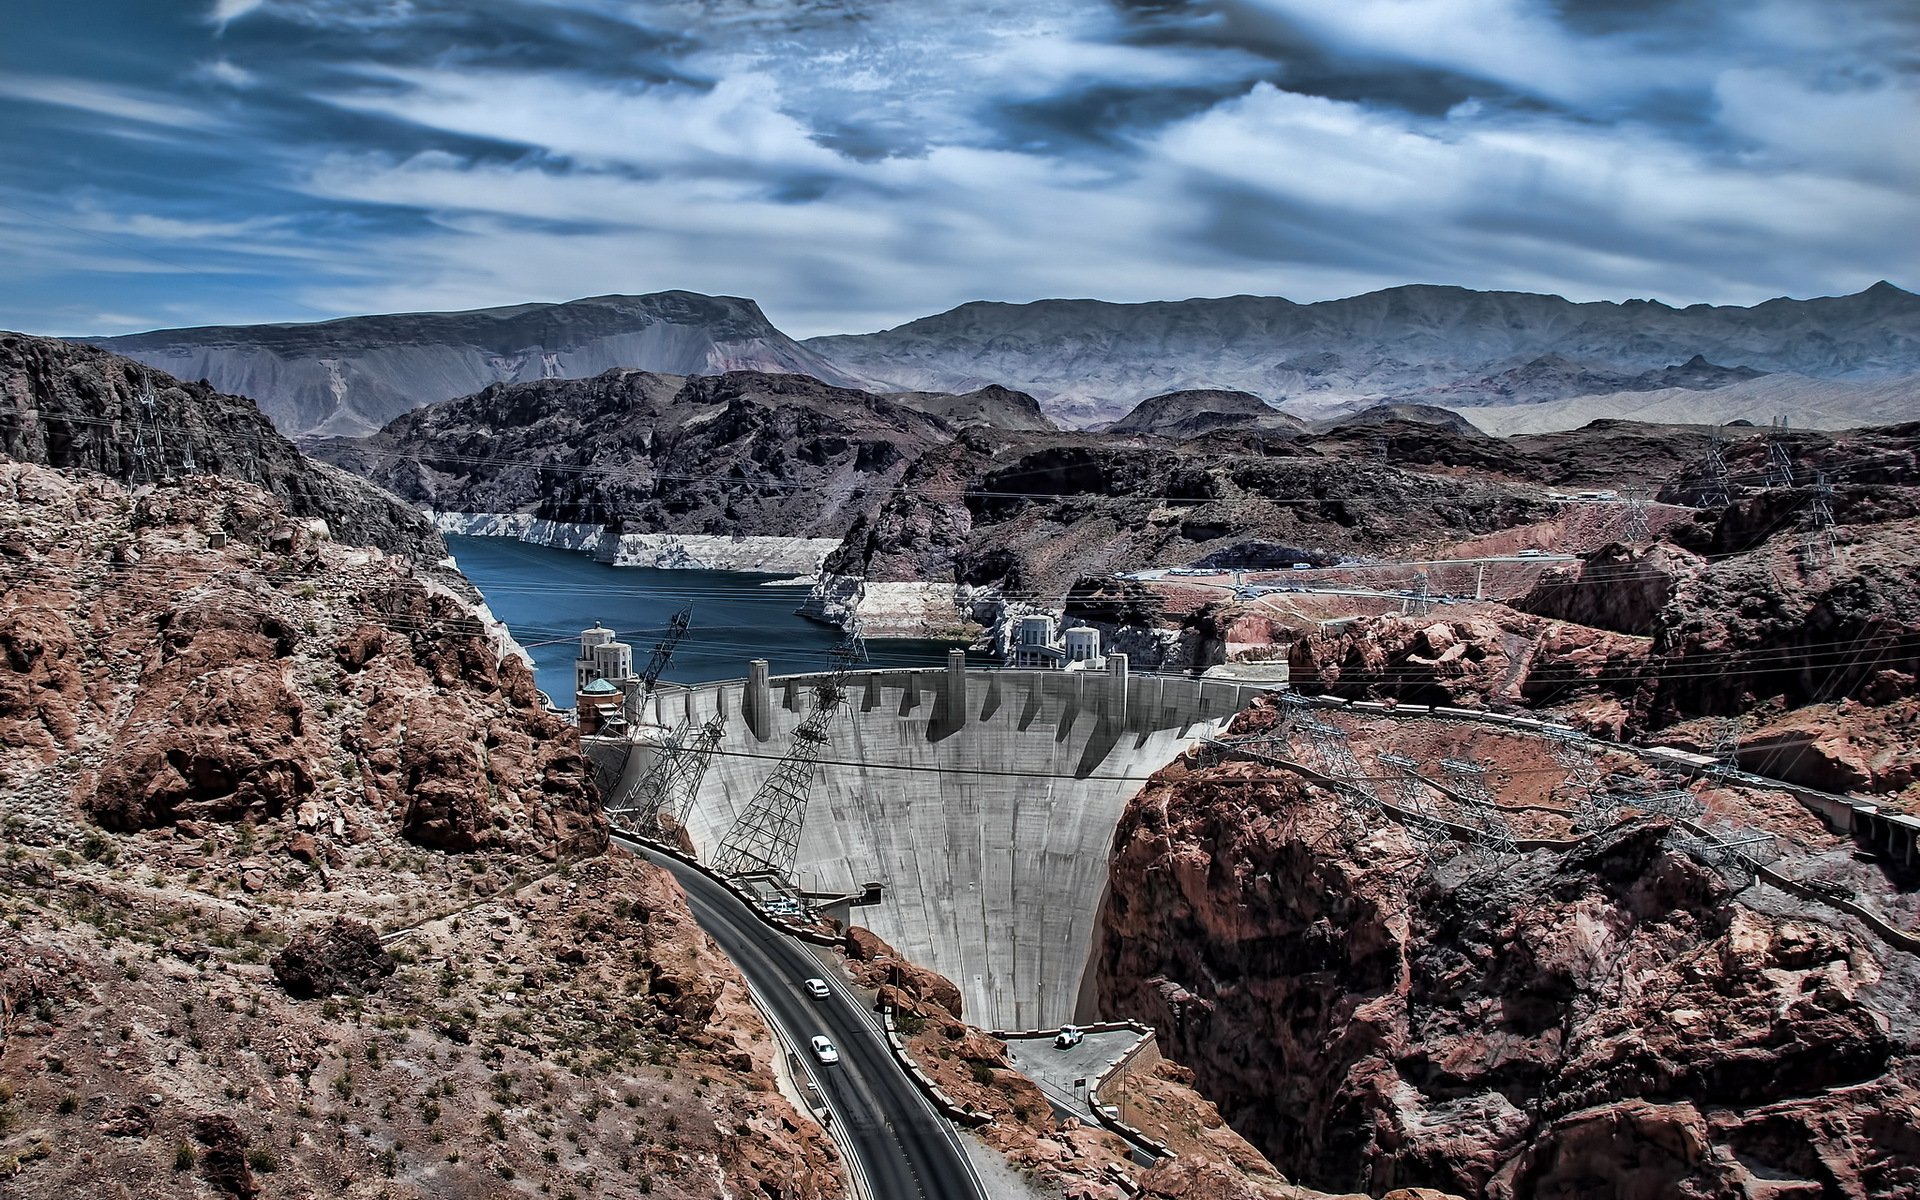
{"type": "Point", "coordinates": [1188, 414]}
{"type": "Point", "coordinates": [228, 700]}
{"type": "Point", "coordinates": [72, 406]}
{"type": "Point", "coordinates": [742, 452]}
{"type": "Point", "coordinates": [344, 958]}
{"type": "Point", "coordinates": [266, 722]}
{"type": "Point", "coordinates": [223, 1156]}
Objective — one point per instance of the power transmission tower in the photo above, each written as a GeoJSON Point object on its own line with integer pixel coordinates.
{"type": "Point", "coordinates": [765, 840]}
{"type": "Point", "coordinates": [1594, 808]}
{"type": "Point", "coordinates": [1779, 458]}
{"type": "Point", "coordinates": [1676, 804]}
{"type": "Point", "coordinates": [1637, 528]}
{"type": "Point", "coordinates": [690, 768]}
{"type": "Point", "coordinates": [1817, 547]}
{"type": "Point", "coordinates": [146, 428]}
{"type": "Point", "coordinates": [1418, 814]}
{"type": "Point", "coordinates": [1489, 835]}
{"type": "Point", "coordinates": [1331, 747]}
{"type": "Point", "coordinates": [668, 789]}
{"type": "Point", "coordinates": [1421, 602]}
{"type": "Point", "coordinates": [1736, 852]}
{"type": "Point", "coordinates": [663, 649]}
{"type": "Point", "coordinates": [1726, 750]}
{"type": "Point", "coordinates": [1715, 491]}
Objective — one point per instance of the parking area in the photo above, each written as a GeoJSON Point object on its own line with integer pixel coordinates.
{"type": "Point", "coordinates": [1056, 1070]}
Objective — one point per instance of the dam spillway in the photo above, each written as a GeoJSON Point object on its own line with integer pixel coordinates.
{"type": "Point", "coordinates": [982, 801]}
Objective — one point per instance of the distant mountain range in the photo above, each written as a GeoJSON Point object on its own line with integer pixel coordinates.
{"type": "Point", "coordinates": [1089, 360]}
{"type": "Point", "coordinates": [353, 375]}
{"type": "Point", "coordinates": [1855, 359]}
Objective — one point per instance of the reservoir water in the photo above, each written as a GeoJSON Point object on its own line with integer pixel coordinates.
{"type": "Point", "coordinates": [547, 596]}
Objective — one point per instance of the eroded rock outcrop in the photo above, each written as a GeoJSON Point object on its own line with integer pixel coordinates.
{"type": "Point", "coordinates": [1601, 1020]}
{"type": "Point", "coordinates": [75, 407]}
{"type": "Point", "coordinates": [1488, 655]}
{"type": "Point", "coordinates": [302, 896]}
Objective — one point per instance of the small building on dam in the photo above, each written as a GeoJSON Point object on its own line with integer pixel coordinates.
{"type": "Point", "coordinates": [983, 801]}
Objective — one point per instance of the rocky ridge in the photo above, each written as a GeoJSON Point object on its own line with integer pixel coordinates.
{"type": "Point", "coordinates": [74, 407]}
{"type": "Point", "coordinates": [353, 375]}
{"type": "Point", "coordinates": [743, 453]}
{"type": "Point", "coordinates": [1089, 361]}
{"type": "Point", "coordinates": [303, 893]}
{"type": "Point", "coordinates": [1605, 1017]}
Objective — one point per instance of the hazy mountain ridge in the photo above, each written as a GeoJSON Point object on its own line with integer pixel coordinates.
{"type": "Point", "coordinates": [353, 375]}
{"type": "Point", "coordinates": [1088, 360]}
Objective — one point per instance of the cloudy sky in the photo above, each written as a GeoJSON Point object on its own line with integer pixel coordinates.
{"type": "Point", "coordinates": [856, 163]}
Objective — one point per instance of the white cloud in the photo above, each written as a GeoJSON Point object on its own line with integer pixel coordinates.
{"type": "Point", "coordinates": [225, 12]}
{"type": "Point", "coordinates": [118, 103]}
{"type": "Point", "coordinates": [1539, 203]}
{"type": "Point", "coordinates": [661, 127]}
{"type": "Point", "coordinates": [226, 73]}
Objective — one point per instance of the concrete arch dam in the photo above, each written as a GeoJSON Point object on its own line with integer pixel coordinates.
{"type": "Point", "coordinates": [983, 801]}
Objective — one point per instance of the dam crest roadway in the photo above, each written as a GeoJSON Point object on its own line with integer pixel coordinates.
{"type": "Point", "coordinates": [983, 801]}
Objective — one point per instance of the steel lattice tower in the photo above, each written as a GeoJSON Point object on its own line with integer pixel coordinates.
{"type": "Point", "coordinates": [1421, 602]}
{"type": "Point", "coordinates": [635, 807]}
{"type": "Point", "coordinates": [1817, 547]}
{"type": "Point", "coordinates": [1676, 804]}
{"type": "Point", "coordinates": [1594, 808]}
{"type": "Point", "coordinates": [146, 423]}
{"type": "Point", "coordinates": [765, 840]}
{"type": "Point", "coordinates": [1490, 835]}
{"type": "Point", "coordinates": [1715, 491]}
{"type": "Point", "coordinates": [1736, 852]}
{"type": "Point", "coordinates": [670, 787]}
{"type": "Point", "coordinates": [663, 649]}
{"type": "Point", "coordinates": [1410, 790]}
{"type": "Point", "coordinates": [1637, 529]}
{"type": "Point", "coordinates": [690, 767]}
{"type": "Point", "coordinates": [1779, 458]}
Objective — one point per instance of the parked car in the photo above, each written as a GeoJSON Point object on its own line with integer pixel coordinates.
{"type": "Point", "coordinates": [823, 1049]}
{"type": "Point", "coordinates": [1068, 1037]}
{"type": "Point", "coordinates": [817, 988]}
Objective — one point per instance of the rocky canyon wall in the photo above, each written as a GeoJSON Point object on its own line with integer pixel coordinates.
{"type": "Point", "coordinates": [1603, 1020]}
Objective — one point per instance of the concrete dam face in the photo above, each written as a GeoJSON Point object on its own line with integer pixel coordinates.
{"type": "Point", "coordinates": [982, 801]}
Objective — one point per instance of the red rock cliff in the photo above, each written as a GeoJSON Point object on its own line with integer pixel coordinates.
{"type": "Point", "coordinates": [1602, 1021]}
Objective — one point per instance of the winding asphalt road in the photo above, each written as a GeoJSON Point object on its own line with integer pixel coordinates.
{"type": "Point", "coordinates": [906, 1149]}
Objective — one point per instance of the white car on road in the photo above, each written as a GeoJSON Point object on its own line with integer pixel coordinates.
{"type": "Point", "coordinates": [823, 1049]}
{"type": "Point", "coordinates": [818, 989]}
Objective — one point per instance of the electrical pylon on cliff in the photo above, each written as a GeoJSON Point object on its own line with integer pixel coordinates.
{"type": "Point", "coordinates": [669, 788]}
{"type": "Point", "coordinates": [1715, 489]}
{"type": "Point", "coordinates": [766, 838]}
{"type": "Point", "coordinates": [1735, 851]}
{"type": "Point", "coordinates": [1676, 804]}
{"type": "Point", "coordinates": [1637, 530]}
{"type": "Point", "coordinates": [1489, 836]}
{"type": "Point", "coordinates": [1330, 746]}
{"type": "Point", "coordinates": [1817, 548]}
{"type": "Point", "coordinates": [690, 767]}
{"type": "Point", "coordinates": [1594, 808]}
{"type": "Point", "coordinates": [1421, 602]}
{"type": "Point", "coordinates": [1417, 812]}
{"type": "Point", "coordinates": [148, 448]}
{"type": "Point", "coordinates": [1779, 458]}
{"type": "Point", "coordinates": [1726, 750]}
{"type": "Point", "coordinates": [663, 649]}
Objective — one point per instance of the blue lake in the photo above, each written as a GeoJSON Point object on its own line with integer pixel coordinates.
{"type": "Point", "coordinates": [548, 596]}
